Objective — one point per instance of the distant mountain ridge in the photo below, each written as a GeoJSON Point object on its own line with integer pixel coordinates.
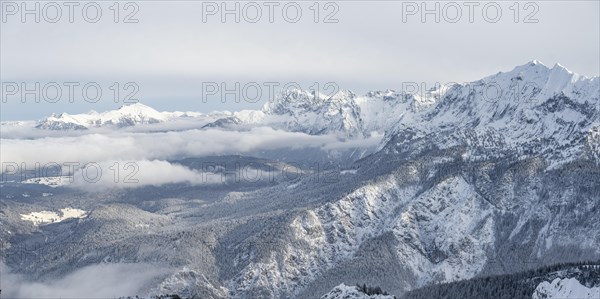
{"type": "Point", "coordinates": [124, 116]}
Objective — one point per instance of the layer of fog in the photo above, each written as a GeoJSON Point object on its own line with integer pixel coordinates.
{"type": "Point", "coordinates": [95, 281]}
{"type": "Point", "coordinates": [129, 146]}
{"type": "Point", "coordinates": [134, 174]}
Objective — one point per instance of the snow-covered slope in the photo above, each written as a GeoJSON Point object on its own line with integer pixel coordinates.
{"type": "Point", "coordinates": [566, 288]}
{"type": "Point", "coordinates": [473, 162]}
{"type": "Point", "coordinates": [47, 217]}
{"type": "Point", "coordinates": [51, 181]}
{"type": "Point", "coordinates": [343, 291]}
{"type": "Point", "coordinates": [312, 113]}
{"type": "Point", "coordinates": [472, 165]}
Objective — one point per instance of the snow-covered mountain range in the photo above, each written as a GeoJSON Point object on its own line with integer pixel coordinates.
{"type": "Point", "coordinates": [124, 116]}
{"type": "Point", "coordinates": [531, 101]}
{"type": "Point", "coordinates": [532, 108]}
{"type": "Point", "coordinates": [490, 177]}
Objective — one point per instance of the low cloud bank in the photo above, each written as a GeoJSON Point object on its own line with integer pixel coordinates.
{"type": "Point", "coordinates": [129, 174]}
{"type": "Point", "coordinates": [95, 281]}
{"type": "Point", "coordinates": [129, 146]}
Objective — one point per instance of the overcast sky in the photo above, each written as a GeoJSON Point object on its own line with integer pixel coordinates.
{"type": "Point", "coordinates": [171, 51]}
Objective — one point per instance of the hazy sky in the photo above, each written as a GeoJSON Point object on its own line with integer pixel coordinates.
{"type": "Point", "coordinates": [171, 51]}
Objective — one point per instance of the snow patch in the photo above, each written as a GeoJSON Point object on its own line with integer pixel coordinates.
{"type": "Point", "coordinates": [52, 181]}
{"type": "Point", "coordinates": [565, 288]}
{"type": "Point", "coordinates": [343, 291]}
{"type": "Point", "coordinates": [47, 217]}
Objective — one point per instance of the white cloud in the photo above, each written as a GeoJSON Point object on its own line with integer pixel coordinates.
{"type": "Point", "coordinates": [98, 281]}
{"type": "Point", "coordinates": [134, 174]}
{"type": "Point", "coordinates": [127, 146]}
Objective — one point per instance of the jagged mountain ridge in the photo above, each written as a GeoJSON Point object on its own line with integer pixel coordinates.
{"type": "Point", "coordinates": [507, 101]}
{"type": "Point", "coordinates": [344, 114]}
{"type": "Point", "coordinates": [540, 109]}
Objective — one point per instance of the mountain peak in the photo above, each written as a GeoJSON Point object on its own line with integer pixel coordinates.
{"type": "Point", "coordinates": [534, 65]}
{"type": "Point", "coordinates": [535, 62]}
{"type": "Point", "coordinates": [126, 115]}
{"type": "Point", "coordinates": [137, 107]}
{"type": "Point", "coordinates": [559, 68]}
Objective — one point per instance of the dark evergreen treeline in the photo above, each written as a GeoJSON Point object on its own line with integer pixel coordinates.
{"type": "Point", "coordinates": [510, 286]}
